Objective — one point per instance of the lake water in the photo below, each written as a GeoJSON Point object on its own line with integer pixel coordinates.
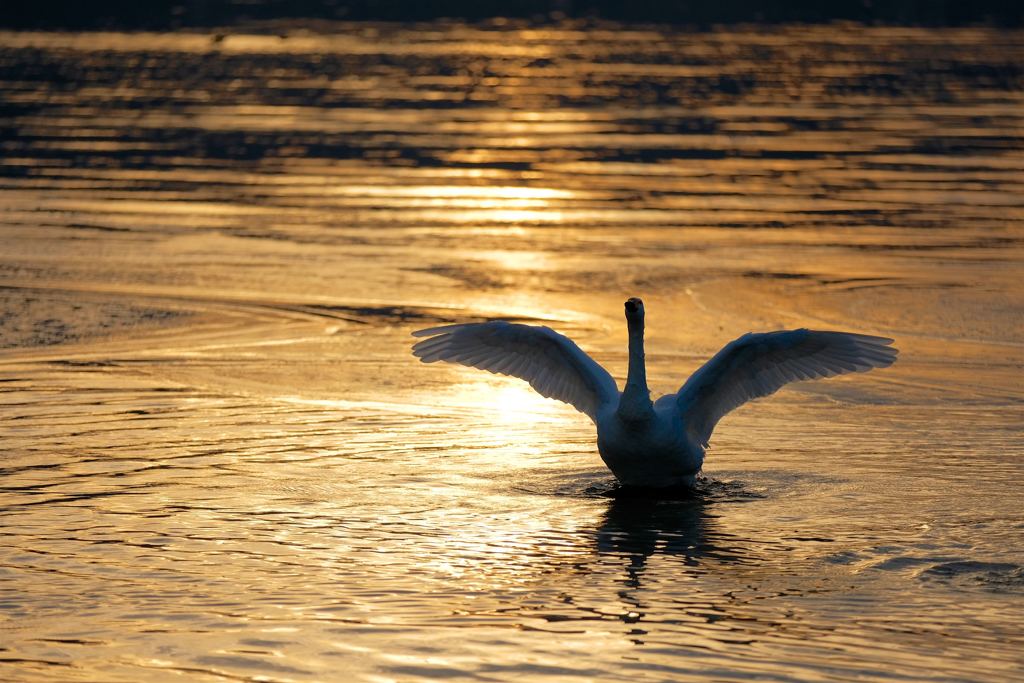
{"type": "Point", "coordinates": [221, 462]}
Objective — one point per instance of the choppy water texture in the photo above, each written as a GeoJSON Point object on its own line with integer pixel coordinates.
{"type": "Point", "coordinates": [220, 461]}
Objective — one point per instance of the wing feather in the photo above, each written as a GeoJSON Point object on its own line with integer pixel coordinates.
{"type": "Point", "coordinates": [757, 365]}
{"type": "Point", "coordinates": [553, 365]}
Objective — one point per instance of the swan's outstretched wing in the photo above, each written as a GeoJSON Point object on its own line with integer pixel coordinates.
{"type": "Point", "coordinates": [757, 365]}
{"type": "Point", "coordinates": [551, 363]}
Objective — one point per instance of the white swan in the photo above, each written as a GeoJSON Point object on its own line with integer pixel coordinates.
{"type": "Point", "coordinates": [662, 443]}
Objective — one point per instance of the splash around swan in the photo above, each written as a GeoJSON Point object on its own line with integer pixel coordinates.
{"type": "Point", "coordinates": [662, 443]}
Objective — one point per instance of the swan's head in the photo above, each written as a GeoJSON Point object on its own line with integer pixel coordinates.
{"type": "Point", "coordinates": [634, 309]}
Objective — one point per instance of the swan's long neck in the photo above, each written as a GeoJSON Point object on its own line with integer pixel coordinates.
{"type": "Point", "coordinates": [635, 403]}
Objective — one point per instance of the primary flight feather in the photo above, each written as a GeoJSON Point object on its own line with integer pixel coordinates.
{"type": "Point", "coordinates": [643, 443]}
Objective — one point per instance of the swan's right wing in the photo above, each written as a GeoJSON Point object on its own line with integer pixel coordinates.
{"type": "Point", "coordinates": [760, 364]}
{"type": "Point", "coordinates": [553, 365]}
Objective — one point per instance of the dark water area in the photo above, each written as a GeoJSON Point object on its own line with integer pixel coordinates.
{"type": "Point", "coordinates": [221, 462]}
{"type": "Point", "coordinates": [176, 14]}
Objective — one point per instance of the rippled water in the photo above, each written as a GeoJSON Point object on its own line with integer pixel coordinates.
{"type": "Point", "coordinates": [220, 461]}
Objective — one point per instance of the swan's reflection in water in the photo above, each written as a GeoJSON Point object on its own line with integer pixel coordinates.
{"type": "Point", "coordinates": [639, 524]}
{"type": "Point", "coordinates": [681, 580]}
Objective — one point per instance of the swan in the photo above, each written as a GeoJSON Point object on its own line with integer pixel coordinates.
{"type": "Point", "coordinates": [659, 444]}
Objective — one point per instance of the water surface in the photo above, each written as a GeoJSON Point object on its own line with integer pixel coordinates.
{"type": "Point", "coordinates": [222, 463]}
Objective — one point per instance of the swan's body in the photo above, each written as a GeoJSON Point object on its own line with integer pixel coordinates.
{"type": "Point", "coordinates": [662, 443]}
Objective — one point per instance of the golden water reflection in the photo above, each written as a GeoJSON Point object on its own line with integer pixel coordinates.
{"type": "Point", "coordinates": [221, 461]}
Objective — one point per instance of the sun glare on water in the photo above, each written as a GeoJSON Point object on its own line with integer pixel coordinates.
{"type": "Point", "coordinates": [506, 401]}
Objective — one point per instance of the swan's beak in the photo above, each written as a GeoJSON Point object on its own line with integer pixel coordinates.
{"type": "Point", "coordinates": [633, 305]}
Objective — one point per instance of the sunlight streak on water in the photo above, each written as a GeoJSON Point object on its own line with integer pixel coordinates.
{"type": "Point", "coordinates": [222, 463]}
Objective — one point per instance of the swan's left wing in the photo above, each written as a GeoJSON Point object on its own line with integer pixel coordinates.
{"type": "Point", "coordinates": [553, 365]}
{"type": "Point", "coordinates": [760, 364]}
